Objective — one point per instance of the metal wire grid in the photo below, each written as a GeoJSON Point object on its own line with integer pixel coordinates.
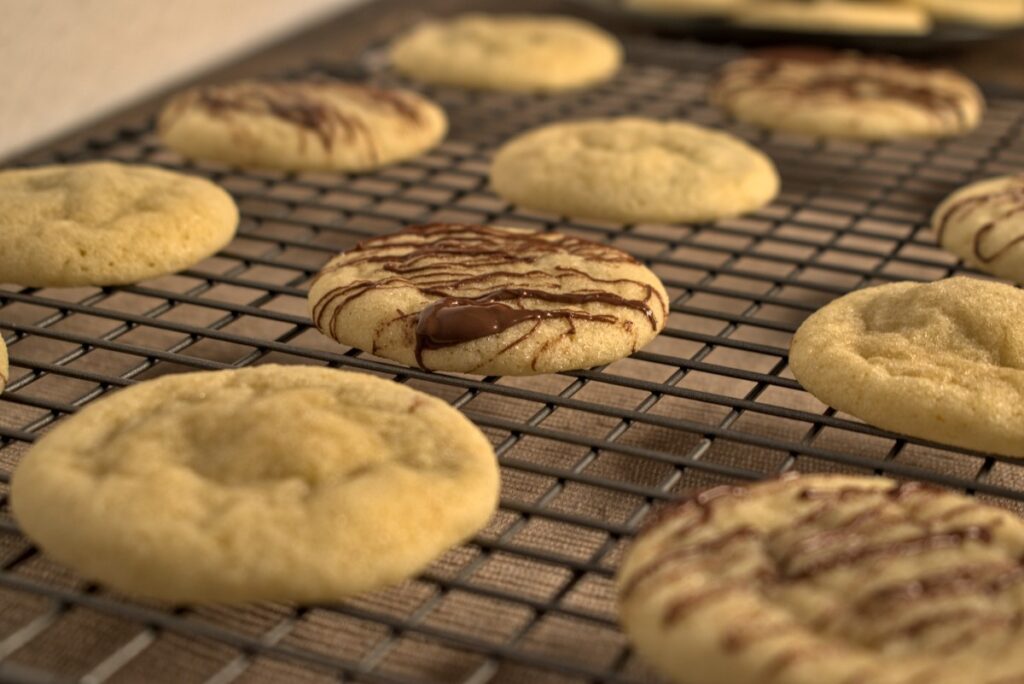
{"type": "Point", "coordinates": [584, 455]}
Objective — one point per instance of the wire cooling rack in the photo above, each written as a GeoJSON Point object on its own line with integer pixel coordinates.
{"type": "Point", "coordinates": [584, 455]}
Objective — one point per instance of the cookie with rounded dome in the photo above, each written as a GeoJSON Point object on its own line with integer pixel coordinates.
{"type": "Point", "coordinates": [283, 483]}
{"type": "Point", "coordinates": [106, 223]}
{"type": "Point", "coordinates": [847, 95]}
{"type": "Point", "coordinates": [834, 16]}
{"type": "Point", "coordinates": [684, 8]}
{"type": "Point", "coordinates": [988, 13]}
{"type": "Point", "coordinates": [515, 52]}
{"type": "Point", "coordinates": [5, 372]}
{"type": "Point", "coordinates": [632, 169]}
{"type": "Point", "coordinates": [983, 224]}
{"type": "Point", "coordinates": [311, 125]}
{"type": "Point", "coordinates": [940, 361]}
{"type": "Point", "coordinates": [814, 579]}
{"type": "Point", "coordinates": [488, 300]}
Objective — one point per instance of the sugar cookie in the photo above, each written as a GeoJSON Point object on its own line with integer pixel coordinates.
{"type": "Point", "coordinates": [941, 361]}
{"type": "Point", "coordinates": [285, 483]}
{"type": "Point", "coordinates": [632, 169]}
{"type": "Point", "coordinates": [316, 125]}
{"type": "Point", "coordinates": [489, 300]}
{"type": "Point", "coordinates": [835, 579]}
{"type": "Point", "coordinates": [105, 223]}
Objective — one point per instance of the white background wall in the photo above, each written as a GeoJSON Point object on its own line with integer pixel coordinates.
{"type": "Point", "coordinates": [66, 62]}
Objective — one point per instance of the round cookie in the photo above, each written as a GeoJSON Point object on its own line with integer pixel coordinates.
{"type": "Point", "coordinates": [684, 8]}
{"type": "Point", "coordinates": [632, 169]}
{"type": "Point", "coordinates": [105, 223]}
{"type": "Point", "coordinates": [834, 16]}
{"type": "Point", "coordinates": [283, 483]}
{"type": "Point", "coordinates": [815, 579]}
{"type": "Point", "coordinates": [987, 13]}
{"type": "Point", "coordinates": [5, 372]}
{"type": "Point", "coordinates": [983, 224]}
{"type": "Point", "coordinates": [312, 125]}
{"type": "Point", "coordinates": [488, 300]}
{"type": "Point", "coordinates": [515, 52]}
{"type": "Point", "coordinates": [941, 361]}
{"type": "Point", "coordinates": [847, 95]}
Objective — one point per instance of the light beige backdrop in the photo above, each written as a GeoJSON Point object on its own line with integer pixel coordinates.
{"type": "Point", "coordinates": [64, 63]}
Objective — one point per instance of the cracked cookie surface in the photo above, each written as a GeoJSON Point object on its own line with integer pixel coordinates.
{"type": "Point", "coordinates": [105, 223]}
{"type": "Point", "coordinates": [322, 124]}
{"type": "Point", "coordinates": [288, 483]}
{"type": "Point", "coordinates": [633, 169]}
{"type": "Point", "coordinates": [515, 52]}
{"type": "Point", "coordinates": [488, 300]}
{"type": "Point", "coordinates": [941, 361]}
{"type": "Point", "coordinates": [814, 579]}
{"type": "Point", "coordinates": [983, 224]}
{"type": "Point", "coordinates": [846, 95]}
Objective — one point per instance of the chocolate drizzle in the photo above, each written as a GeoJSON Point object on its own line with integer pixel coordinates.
{"type": "Point", "coordinates": [1012, 196]}
{"type": "Point", "coordinates": [310, 105]}
{"type": "Point", "coordinates": [893, 522]}
{"type": "Point", "coordinates": [455, 320]}
{"type": "Point", "coordinates": [484, 281]}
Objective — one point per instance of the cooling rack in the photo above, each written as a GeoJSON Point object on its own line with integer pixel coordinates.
{"type": "Point", "coordinates": [584, 455]}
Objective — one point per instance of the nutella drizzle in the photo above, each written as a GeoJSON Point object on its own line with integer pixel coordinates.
{"type": "Point", "coordinates": [302, 104]}
{"type": "Point", "coordinates": [842, 544]}
{"type": "Point", "coordinates": [440, 260]}
{"type": "Point", "coordinates": [1013, 196]}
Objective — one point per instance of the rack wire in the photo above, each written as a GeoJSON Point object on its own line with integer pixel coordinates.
{"type": "Point", "coordinates": [584, 455]}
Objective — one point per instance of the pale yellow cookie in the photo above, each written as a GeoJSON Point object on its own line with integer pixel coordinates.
{"type": "Point", "coordinates": [941, 361]}
{"type": "Point", "coordinates": [5, 372]}
{"type": "Point", "coordinates": [847, 95]}
{"type": "Point", "coordinates": [105, 223]}
{"type": "Point", "coordinates": [517, 52]}
{"type": "Point", "coordinates": [632, 169]}
{"type": "Point", "coordinates": [283, 483]}
{"type": "Point", "coordinates": [684, 8]}
{"type": "Point", "coordinates": [834, 16]}
{"type": "Point", "coordinates": [488, 300]}
{"type": "Point", "coordinates": [322, 124]}
{"type": "Point", "coordinates": [828, 580]}
{"type": "Point", "coordinates": [988, 13]}
{"type": "Point", "coordinates": [983, 224]}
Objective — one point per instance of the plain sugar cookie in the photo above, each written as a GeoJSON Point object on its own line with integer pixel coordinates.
{"type": "Point", "coordinates": [5, 371]}
{"type": "Point", "coordinates": [632, 170]}
{"type": "Point", "coordinates": [314, 125]}
{"type": "Point", "coordinates": [278, 483]}
{"type": "Point", "coordinates": [998, 14]}
{"type": "Point", "coordinates": [941, 361]}
{"type": "Point", "coordinates": [834, 16]}
{"type": "Point", "coordinates": [983, 224]}
{"type": "Point", "coordinates": [828, 580]}
{"type": "Point", "coordinates": [846, 95]}
{"type": "Point", "coordinates": [517, 52]}
{"type": "Point", "coordinates": [488, 300]}
{"type": "Point", "coordinates": [683, 8]}
{"type": "Point", "coordinates": [105, 223]}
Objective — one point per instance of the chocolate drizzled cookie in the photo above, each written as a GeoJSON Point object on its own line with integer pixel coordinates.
{"type": "Point", "coordinates": [983, 223]}
{"type": "Point", "coordinates": [828, 579]}
{"type": "Point", "coordinates": [311, 124]}
{"type": "Point", "coordinates": [846, 95]}
{"type": "Point", "coordinates": [486, 299]}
